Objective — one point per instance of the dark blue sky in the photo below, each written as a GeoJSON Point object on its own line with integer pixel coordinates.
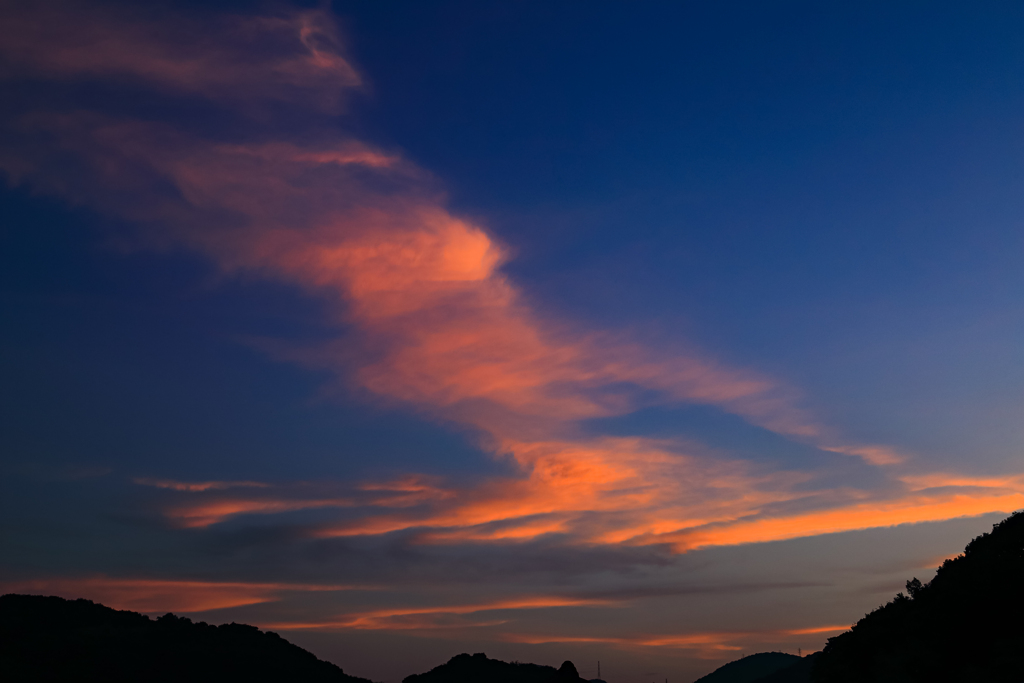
{"type": "Point", "coordinates": [831, 193]}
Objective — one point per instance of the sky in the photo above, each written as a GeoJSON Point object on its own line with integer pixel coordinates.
{"type": "Point", "coordinates": [651, 333]}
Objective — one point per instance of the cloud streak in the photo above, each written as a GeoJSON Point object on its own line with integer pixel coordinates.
{"type": "Point", "coordinates": [707, 644]}
{"type": "Point", "coordinates": [165, 595]}
{"type": "Point", "coordinates": [293, 58]}
{"type": "Point", "coordinates": [428, 618]}
{"type": "Point", "coordinates": [611, 502]}
{"type": "Point", "coordinates": [198, 485]}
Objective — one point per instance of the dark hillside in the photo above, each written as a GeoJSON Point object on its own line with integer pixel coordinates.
{"type": "Point", "coordinates": [46, 639]}
{"type": "Point", "coordinates": [964, 625]}
{"type": "Point", "coordinates": [750, 668]}
{"type": "Point", "coordinates": [800, 672]}
{"type": "Point", "coordinates": [466, 668]}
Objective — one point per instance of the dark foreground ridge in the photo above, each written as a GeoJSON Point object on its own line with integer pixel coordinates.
{"type": "Point", "coordinates": [466, 668]}
{"type": "Point", "coordinates": [53, 639]}
{"type": "Point", "coordinates": [752, 669]}
{"type": "Point", "coordinates": [964, 625]}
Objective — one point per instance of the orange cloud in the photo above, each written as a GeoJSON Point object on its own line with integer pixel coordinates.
{"type": "Point", "coordinates": [624, 491]}
{"type": "Point", "coordinates": [159, 596]}
{"type": "Point", "coordinates": [396, 618]}
{"type": "Point", "coordinates": [816, 629]}
{"type": "Point", "coordinates": [405, 492]}
{"type": "Point", "coordinates": [908, 510]}
{"type": "Point", "coordinates": [210, 504]}
{"type": "Point", "coordinates": [937, 480]}
{"type": "Point", "coordinates": [204, 514]}
{"type": "Point", "coordinates": [704, 644]}
{"type": "Point", "coordinates": [634, 485]}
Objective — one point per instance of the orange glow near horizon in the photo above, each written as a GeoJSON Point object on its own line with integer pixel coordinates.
{"type": "Point", "coordinates": [389, 619]}
{"type": "Point", "coordinates": [166, 595]}
{"type": "Point", "coordinates": [706, 644]}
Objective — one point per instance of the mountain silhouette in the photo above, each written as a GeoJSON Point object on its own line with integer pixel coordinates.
{"type": "Point", "coordinates": [45, 639]}
{"type": "Point", "coordinates": [467, 668]}
{"type": "Point", "coordinates": [798, 672]}
{"type": "Point", "coordinates": [966, 624]}
{"type": "Point", "coordinates": [963, 625]}
{"type": "Point", "coordinates": [751, 668]}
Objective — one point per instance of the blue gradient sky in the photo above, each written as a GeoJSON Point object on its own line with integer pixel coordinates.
{"type": "Point", "coordinates": [654, 333]}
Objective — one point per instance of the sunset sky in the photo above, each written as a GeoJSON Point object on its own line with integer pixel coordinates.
{"type": "Point", "coordinates": [654, 333]}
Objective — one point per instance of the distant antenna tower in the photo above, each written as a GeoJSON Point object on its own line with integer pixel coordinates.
{"type": "Point", "coordinates": [599, 668]}
{"type": "Point", "coordinates": [799, 652]}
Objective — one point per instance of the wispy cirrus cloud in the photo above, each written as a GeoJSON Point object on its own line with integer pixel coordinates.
{"type": "Point", "coordinates": [214, 502]}
{"type": "Point", "coordinates": [427, 618]}
{"type": "Point", "coordinates": [704, 644]}
{"type": "Point", "coordinates": [877, 512]}
{"type": "Point", "coordinates": [615, 505]}
{"type": "Point", "coordinates": [439, 328]}
{"type": "Point", "coordinates": [291, 57]}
